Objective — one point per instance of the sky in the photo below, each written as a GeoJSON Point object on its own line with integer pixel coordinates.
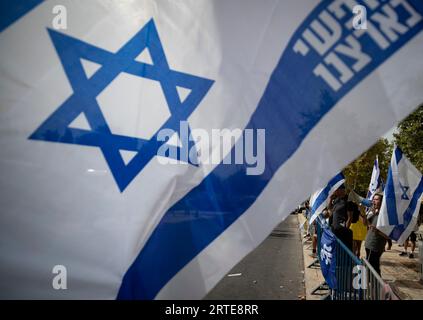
{"type": "Point", "coordinates": [389, 134]}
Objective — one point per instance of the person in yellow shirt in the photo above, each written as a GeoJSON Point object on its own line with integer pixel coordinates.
{"type": "Point", "coordinates": [358, 228]}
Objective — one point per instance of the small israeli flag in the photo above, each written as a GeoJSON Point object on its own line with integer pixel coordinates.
{"type": "Point", "coordinates": [375, 181]}
{"type": "Point", "coordinates": [319, 200]}
{"type": "Point", "coordinates": [400, 206]}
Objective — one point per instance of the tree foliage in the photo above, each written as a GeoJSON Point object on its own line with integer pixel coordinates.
{"type": "Point", "coordinates": [358, 173]}
{"type": "Point", "coordinates": [409, 137]}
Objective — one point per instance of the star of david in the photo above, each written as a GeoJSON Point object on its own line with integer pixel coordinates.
{"type": "Point", "coordinates": [85, 90]}
{"type": "Point", "coordinates": [404, 190]}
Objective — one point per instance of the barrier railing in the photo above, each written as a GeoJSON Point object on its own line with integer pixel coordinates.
{"type": "Point", "coordinates": [346, 261]}
{"type": "Point", "coordinates": [369, 286]}
{"type": "Point", "coordinates": [376, 288]}
{"type": "Point", "coordinates": [322, 286]}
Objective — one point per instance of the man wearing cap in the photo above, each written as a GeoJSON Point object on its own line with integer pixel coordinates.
{"type": "Point", "coordinates": [341, 216]}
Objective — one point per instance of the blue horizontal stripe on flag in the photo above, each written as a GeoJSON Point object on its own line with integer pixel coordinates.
{"type": "Point", "coordinates": [391, 201]}
{"type": "Point", "coordinates": [398, 155]}
{"type": "Point", "coordinates": [12, 10]}
{"type": "Point", "coordinates": [325, 192]}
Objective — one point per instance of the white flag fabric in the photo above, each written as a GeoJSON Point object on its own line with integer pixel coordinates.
{"type": "Point", "coordinates": [401, 199]}
{"type": "Point", "coordinates": [91, 92]}
{"type": "Point", "coordinates": [320, 199]}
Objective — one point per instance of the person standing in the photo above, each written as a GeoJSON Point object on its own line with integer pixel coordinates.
{"type": "Point", "coordinates": [341, 217]}
{"type": "Point", "coordinates": [375, 240]}
{"type": "Point", "coordinates": [358, 228]}
{"type": "Point", "coordinates": [411, 238]}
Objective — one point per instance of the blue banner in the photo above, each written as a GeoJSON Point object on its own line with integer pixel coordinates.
{"type": "Point", "coordinates": [328, 257]}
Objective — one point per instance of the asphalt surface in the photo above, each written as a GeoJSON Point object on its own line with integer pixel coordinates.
{"type": "Point", "coordinates": [273, 271]}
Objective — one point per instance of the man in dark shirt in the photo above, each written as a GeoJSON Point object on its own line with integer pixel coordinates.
{"type": "Point", "coordinates": [341, 216]}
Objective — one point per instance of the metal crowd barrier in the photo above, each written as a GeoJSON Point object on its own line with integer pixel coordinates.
{"type": "Point", "coordinates": [322, 286]}
{"type": "Point", "coordinates": [377, 289]}
{"type": "Point", "coordinates": [356, 279]}
{"type": "Point", "coordinates": [346, 261]}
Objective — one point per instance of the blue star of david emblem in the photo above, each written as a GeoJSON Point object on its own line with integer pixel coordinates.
{"type": "Point", "coordinates": [85, 90]}
{"type": "Point", "coordinates": [404, 190]}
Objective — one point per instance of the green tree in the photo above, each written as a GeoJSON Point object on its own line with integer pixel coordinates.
{"type": "Point", "coordinates": [409, 137]}
{"type": "Point", "coordinates": [358, 173]}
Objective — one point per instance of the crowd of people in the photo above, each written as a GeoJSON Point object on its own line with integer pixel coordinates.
{"type": "Point", "coordinates": [353, 223]}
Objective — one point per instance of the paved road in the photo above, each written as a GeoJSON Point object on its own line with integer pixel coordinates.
{"type": "Point", "coordinates": [274, 270]}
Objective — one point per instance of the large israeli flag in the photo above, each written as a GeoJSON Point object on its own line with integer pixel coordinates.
{"type": "Point", "coordinates": [91, 91]}
{"type": "Point", "coordinates": [320, 199]}
{"type": "Point", "coordinates": [402, 198]}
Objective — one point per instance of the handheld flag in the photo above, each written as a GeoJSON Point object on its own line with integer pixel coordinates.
{"type": "Point", "coordinates": [401, 198]}
{"type": "Point", "coordinates": [375, 181]}
{"type": "Point", "coordinates": [328, 257]}
{"type": "Point", "coordinates": [356, 198]}
{"type": "Point", "coordinates": [320, 199]}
